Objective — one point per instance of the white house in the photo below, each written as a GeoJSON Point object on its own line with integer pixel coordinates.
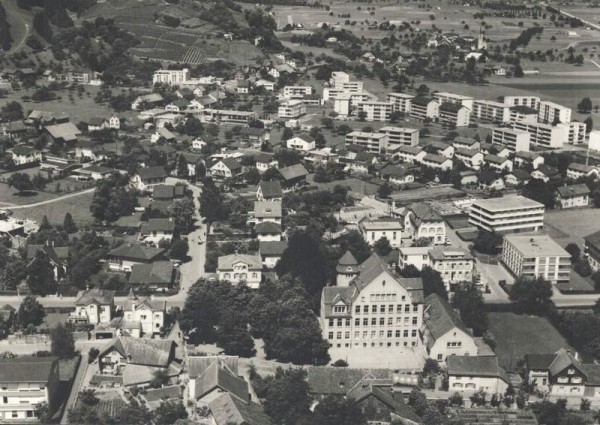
{"type": "Point", "coordinates": [469, 374]}
{"type": "Point", "coordinates": [302, 142]}
{"type": "Point", "coordinates": [144, 316]}
{"type": "Point", "coordinates": [93, 306]}
{"type": "Point", "coordinates": [391, 229]}
{"type": "Point", "coordinates": [238, 268]}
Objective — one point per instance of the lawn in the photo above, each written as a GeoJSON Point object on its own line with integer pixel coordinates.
{"type": "Point", "coordinates": [78, 206]}
{"type": "Point", "coordinates": [9, 195]}
{"type": "Point", "coordinates": [566, 226]}
{"type": "Point", "coordinates": [518, 335]}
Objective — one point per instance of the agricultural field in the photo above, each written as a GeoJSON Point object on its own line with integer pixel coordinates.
{"type": "Point", "coordinates": [78, 206]}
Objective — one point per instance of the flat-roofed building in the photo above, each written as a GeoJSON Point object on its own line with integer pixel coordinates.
{"type": "Point", "coordinates": [592, 250]}
{"type": "Point", "coordinates": [458, 99]}
{"type": "Point", "coordinates": [536, 256]}
{"type": "Point", "coordinates": [291, 109]}
{"type": "Point", "coordinates": [401, 136]}
{"type": "Point", "coordinates": [401, 101]}
{"type": "Point", "coordinates": [373, 142]}
{"type": "Point", "coordinates": [454, 114]}
{"type": "Point", "coordinates": [376, 110]}
{"type": "Point", "coordinates": [488, 110]}
{"type": "Point", "coordinates": [513, 139]}
{"type": "Point", "coordinates": [577, 132]}
{"type": "Point", "coordinates": [296, 92]}
{"type": "Point", "coordinates": [550, 112]}
{"type": "Point", "coordinates": [529, 101]}
{"type": "Point", "coordinates": [544, 135]}
{"type": "Point", "coordinates": [424, 107]}
{"type": "Point", "coordinates": [509, 214]}
{"type": "Point", "coordinates": [171, 76]}
{"type": "Point", "coordinates": [523, 113]}
{"type": "Point", "coordinates": [417, 256]}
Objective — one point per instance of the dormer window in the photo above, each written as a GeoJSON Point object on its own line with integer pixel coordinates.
{"type": "Point", "coordinates": [571, 371]}
{"type": "Point", "coordinates": [339, 309]}
{"type": "Point", "coordinates": [348, 269]}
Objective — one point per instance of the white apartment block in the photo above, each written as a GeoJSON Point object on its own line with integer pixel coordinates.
{"type": "Point", "coordinates": [422, 108]}
{"type": "Point", "coordinates": [488, 110]}
{"type": "Point", "coordinates": [401, 101]}
{"type": "Point", "coordinates": [550, 112]}
{"type": "Point", "coordinates": [374, 142]}
{"type": "Point", "coordinates": [533, 256]}
{"type": "Point", "coordinates": [457, 99]}
{"type": "Point", "coordinates": [373, 307]}
{"type": "Point", "coordinates": [594, 142]}
{"type": "Point", "coordinates": [529, 101]}
{"type": "Point", "coordinates": [338, 77]}
{"type": "Point", "coordinates": [544, 135]}
{"type": "Point", "coordinates": [454, 114]}
{"type": "Point", "coordinates": [523, 114]}
{"type": "Point", "coordinates": [171, 76]}
{"type": "Point", "coordinates": [291, 109]}
{"type": "Point", "coordinates": [373, 230]}
{"type": "Point", "coordinates": [296, 92]}
{"type": "Point", "coordinates": [345, 103]}
{"type": "Point", "coordinates": [376, 110]}
{"type": "Point", "coordinates": [514, 140]}
{"type": "Point", "coordinates": [401, 136]}
{"type": "Point", "coordinates": [577, 132]}
{"type": "Point", "coordinates": [509, 214]}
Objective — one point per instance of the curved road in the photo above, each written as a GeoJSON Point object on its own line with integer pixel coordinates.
{"type": "Point", "coordinates": [20, 24]}
{"type": "Point", "coordinates": [49, 201]}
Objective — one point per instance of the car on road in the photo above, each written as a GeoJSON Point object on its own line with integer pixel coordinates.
{"type": "Point", "coordinates": [200, 241]}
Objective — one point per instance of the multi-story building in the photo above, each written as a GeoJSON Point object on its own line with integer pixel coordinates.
{"type": "Point", "coordinates": [437, 161]}
{"type": "Point", "coordinates": [536, 256]}
{"type": "Point", "coordinates": [515, 140]}
{"type": "Point", "coordinates": [592, 250]}
{"type": "Point", "coordinates": [421, 221]}
{"type": "Point", "coordinates": [553, 113]}
{"type": "Point", "coordinates": [523, 114]}
{"type": "Point", "coordinates": [594, 142]}
{"type": "Point", "coordinates": [401, 101]}
{"type": "Point", "coordinates": [544, 135]}
{"type": "Point", "coordinates": [27, 382]}
{"type": "Point", "coordinates": [424, 107]}
{"type": "Point", "coordinates": [372, 307]}
{"type": "Point", "coordinates": [401, 136]}
{"type": "Point", "coordinates": [296, 92]}
{"type": "Point", "coordinates": [171, 76]}
{"type": "Point", "coordinates": [93, 306]}
{"type": "Point", "coordinates": [454, 265]}
{"type": "Point", "coordinates": [458, 99]}
{"type": "Point", "coordinates": [291, 109]}
{"type": "Point", "coordinates": [509, 214]}
{"type": "Point", "coordinates": [302, 142]}
{"type": "Point", "coordinates": [373, 142]}
{"type": "Point", "coordinates": [238, 268]}
{"type": "Point", "coordinates": [577, 195]}
{"type": "Point", "coordinates": [577, 132]}
{"type": "Point", "coordinates": [391, 229]}
{"type": "Point", "coordinates": [345, 103]}
{"type": "Point", "coordinates": [469, 374]}
{"type": "Point", "coordinates": [376, 110]}
{"type": "Point", "coordinates": [444, 333]}
{"type": "Point", "coordinates": [417, 256]}
{"type": "Point", "coordinates": [470, 157]}
{"type": "Point", "coordinates": [226, 116]}
{"type": "Point", "coordinates": [454, 114]}
{"type": "Point", "coordinates": [488, 110]}
{"type": "Point", "coordinates": [143, 316]}
{"type": "Point", "coordinates": [529, 101]}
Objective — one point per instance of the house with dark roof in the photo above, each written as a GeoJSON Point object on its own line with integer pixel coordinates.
{"type": "Point", "coordinates": [270, 252]}
{"type": "Point", "coordinates": [437, 162]}
{"type": "Point", "coordinates": [559, 374]}
{"type": "Point", "coordinates": [440, 148]}
{"type": "Point", "coordinates": [238, 268]}
{"type": "Point", "coordinates": [592, 250]}
{"type": "Point", "coordinates": [469, 374]}
{"type": "Point", "coordinates": [444, 333]}
{"type": "Point", "coordinates": [147, 177]}
{"type": "Point", "coordinates": [345, 308]}
{"type": "Point", "coordinates": [61, 134]}
{"type": "Point", "coordinates": [545, 173]}
{"type": "Point", "coordinates": [158, 275]}
{"type": "Point", "coordinates": [156, 230]}
{"type": "Point", "coordinates": [421, 221]}
{"type": "Point", "coordinates": [518, 177]}
{"type": "Point", "coordinates": [268, 231]}
{"type": "Point", "coordinates": [397, 174]}
{"type": "Point", "coordinates": [255, 136]}
{"type": "Point", "coordinates": [57, 255]}
{"type": "Point", "coordinates": [125, 256]}
{"type": "Point", "coordinates": [577, 195]}
{"type": "Point", "coordinates": [24, 154]}
{"type": "Point", "coordinates": [362, 163]}
{"type": "Point", "coordinates": [266, 211]}
{"type": "Point", "coordinates": [93, 306]}
{"type": "Point", "coordinates": [227, 409]}
{"type": "Point", "coordinates": [27, 381]}
{"type": "Point", "coordinates": [143, 316]}
{"type": "Point", "coordinates": [498, 163]}
{"type": "Point", "coordinates": [302, 142]}
{"type": "Point", "coordinates": [168, 192]}
{"type": "Point", "coordinates": [154, 397]}
{"type": "Point", "coordinates": [576, 171]}
{"type": "Point", "coordinates": [382, 406]}
{"type": "Point", "coordinates": [293, 176]}
{"type": "Point", "coordinates": [269, 191]}
{"type": "Point", "coordinates": [264, 161]}
{"type": "Point", "coordinates": [534, 159]}
{"type": "Point", "coordinates": [226, 168]}
{"type": "Point", "coordinates": [490, 179]}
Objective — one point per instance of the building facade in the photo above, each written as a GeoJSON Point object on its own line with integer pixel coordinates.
{"type": "Point", "coordinates": [509, 214]}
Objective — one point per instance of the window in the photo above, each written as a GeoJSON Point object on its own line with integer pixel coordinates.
{"type": "Point", "coordinates": [414, 320]}
{"type": "Point", "coordinates": [366, 309]}
{"type": "Point", "coordinates": [390, 321]}
{"type": "Point", "coordinates": [407, 308]}
{"type": "Point", "coordinates": [157, 325]}
{"type": "Point", "coordinates": [339, 335]}
{"type": "Point", "coordinates": [347, 322]}
{"type": "Point", "coordinates": [391, 308]}
{"type": "Point", "coordinates": [399, 308]}
{"type": "Point", "coordinates": [382, 322]}
{"type": "Point", "coordinates": [339, 309]}
{"type": "Point", "coordinates": [356, 322]}
{"type": "Point", "coordinates": [330, 322]}
{"type": "Point", "coordinates": [365, 334]}
{"type": "Point", "coordinates": [413, 333]}
{"type": "Point", "coordinates": [415, 308]}
{"type": "Point", "coordinates": [347, 335]}
{"type": "Point", "coordinates": [440, 357]}
{"type": "Point", "coordinates": [405, 334]}
{"type": "Point", "coordinates": [397, 334]}
{"type": "Point", "coordinates": [340, 322]}
{"type": "Point", "coordinates": [365, 322]}
{"type": "Point", "coordinates": [373, 322]}
{"type": "Point", "coordinates": [382, 308]}
{"type": "Point", "coordinates": [374, 309]}
{"type": "Point", "coordinates": [389, 334]}
{"type": "Point", "coordinates": [357, 334]}
{"type": "Point", "coordinates": [357, 309]}
{"type": "Point", "coordinates": [381, 334]}
{"type": "Point", "coordinates": [14, 414]}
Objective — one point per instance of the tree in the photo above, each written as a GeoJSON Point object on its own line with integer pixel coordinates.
{"type": "Point", "coordinates": [12, 111]}
{"type": "Point", "coordinates": [85, 415]}
{"type": "Point", "coordinates": [63, 344]}
{"type": "Point", "coordinates": [589, 124]}
{"type": "Point", "coordinates": [433, 283]}
{"type": "Point", "coordinates": [385, 190]}
{"type": "Point", "coordinates": [431, 367]}
{"type": "Point", "coordinates": [574, 250]}
{"type": "Point", "coordinates": [30, 312]}
{"type": "Point", "coordinates": [88, 397]}
{"type": "Point", "coordinates": [211, 203]}
{"type": "Point", "coordinates": [518, 72]}
{"type": "Point", "coordinates": [69, 224]}
{"type": "Point", "coordinates": [469, 302]}
{"type": "Point", "coordinates": [540, 191]}
{"type": "Point", "coordinates": [179, 249]}
{"type": "Point", "coordinates": [418, 401]}
{"type": "Point", "coordinates": [183, 211]}
{"type": "Point", "coordinates": [42, 412]}
{"type": "Point", "coordinates": [169, 412]}
{"type": "Point", "coordinates": [432, 416]}
{"type": "Point", "coordinates": [287, 134]}
{"type": "Point", "coordinates": [252, 176]}
{"type": "Point", "coordinates": [361, 115]}
{"type": "Point", "coordinates": [160, 378]}
{"type": "Point", "coordinates": [93, 354]}
{"type": "Point", "coordinates": [134, 415]}
{"type": "Point", "coordinates": [181, 167]}
{"type": "Point", "coordinates": [20, 181]}
{"type": "Point", "coordinates": [531, 296]}
{"type": "Point", "coordinates": [234, 338]}
{"type": "Point", "coordinates": [585, 405]}
{"type": "Point", "coordinates": [335, 409]}
{"type": "Point", "coordinates": [585, 105]}
{"type": "Point", "coordinates": [456, 399]}
{"type": "Point", "coordinates": [487, 242]}
{"type": "Point", "coordinates": [382, 246]}
{"type": "Point", "coordinates": [40, 275]}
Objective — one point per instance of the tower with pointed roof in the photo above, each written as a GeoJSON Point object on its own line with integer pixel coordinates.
{"type": "Point", "coordinates": [347, 269]}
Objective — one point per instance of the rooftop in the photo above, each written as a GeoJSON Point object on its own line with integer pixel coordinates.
{"type": "Point", "coordinates": [536, 245]}
{"type": "Point", "coordinates": [504, 203]}
{"type": "Point", "coordinates": [26, 369]}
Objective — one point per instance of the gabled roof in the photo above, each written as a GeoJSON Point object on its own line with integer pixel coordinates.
{"type": "Point", "coordinates": [486, 366]}
{"type": "Point", "coordinates": [95, 296]}
{"type": "Point", "coordinates": [229, 410]}
{"type": "Point", "coordinates": [324, 380]}
{"type": "Point", "coordinates": [164, 393]}
{"type": "Point", "coordinates": [495, 159]}
{"type": "Point", "coordinates": [56, 254]}
{"type": "Point", "coordinates": [293, 172]}
{"type": "Point", "coordinates": [156, 273]}
{"type": "Point", "coordinates": [572, 191]}
{"type": "Point", "coordinates": [396, 405]}
{"type": "Point", "coordinates": [159, 225]}
{"type": "Point", "coordinates": [167, 134]}
{"type": "Point", "coordinates": [142, 351]}
{"type": "Point", "coordinates": [267, 209]}
{"type": "Point", "coordinates": [272, 248]}
{"type": "Point", "coordinates": [198, 364]}
{"type": "Point", "coordinates": [487, 177]}
{"type": "Point", "coordinates": [593, 239]}
{"type": "Point", "coordinates": [267, 227]}
{"type": "Point", "coordinates": [136, 252]}
{"type": "Point", "coordinates": [218, 375]}
{"type": "Point", "coordinates": [563, 360]}
{"type": "Point", "coordinates": [270, 189]}
{"type": "Point", "coordinates": [96, 121]}
{"type": "Point", "coordinates": [547, 170]}
{"type": "Point", "coordinates": [152, 97]}
{"type": "Point", "coordinates": [466, 152]}
{"type": "Point", "coordinates": [582, 168]}
{"type": "Point", "coordinates": [347, 263]}
{"type": "Point", "coordinates": [230, 163]}
{"type": "Point", "coordinates": [423, 213]}
{"type": "Point", "coordinates": [227, 262]}
{"type": "Point", "coordinates": [66, 131]}
{"type": "Point", "coordinates": [539, 361]}
{"type": "Point", "coordinates": [26, 369]}
{"type": "Point", "coordinates": [24, 150]}
{"type": "Point", "coordinates": [155, 172]}
{"type": "Point", "coordinates": [395, 171]}
{"type": "Point", "coordinates": [526, 155]}
{"type": "Point", "coordinates": [365, 157]}
{"type": "Point", "coordinates": [439, 159]}
{"type": "Point", "coordinates": [521, 174]}
{"type": "Point", "coordinates": [441, 318]}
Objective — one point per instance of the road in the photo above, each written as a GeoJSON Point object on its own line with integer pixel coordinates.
{"type": "Point", "coordinates": [20, 25]}
{"type": "Point", "coordinates": [49, 201]}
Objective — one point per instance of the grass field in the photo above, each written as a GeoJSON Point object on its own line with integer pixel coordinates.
{"type": "Point", "coordinates": [517, 335]}
{"type": "Point", "coordinates": [566, 226]}
{"type": "Point", "coordinates": [78, 206]}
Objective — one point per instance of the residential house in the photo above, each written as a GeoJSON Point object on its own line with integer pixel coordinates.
{"type": "Point", "coordinates": [125, 256]}
{"type": "Point", "coordinates": [577, 195]}
{"type": "Point", "coordinates": [238, 268]}
{"type": "Point", "coordinates": [23, 155]}
{"type": "Point", "coordinates": [374, 230]}
{"type": "Point", "coordinates": [61, 134]}
{"type": "Point", "coordinates": [453, 264]}
{"type": "Point", "coordinates": [498, 163]}
{"type": "Point", "coordinates": [490, 180]}
{"type": "Point", "coordinates": [268, 231]}
{"type": "Point", "coordinates": [97, 124]}
{"type": "Point", "coordinates": [470, 157]}
{"type": "Point", "coordinates": [410, 154]}
{"type": "Point", "coordinates": [157, 229]}
{"type": "Point", "coordinates": [382, 407]}
{"type": "Point", "coordinates": [143, 316]}
{"type": "Point", "coordinates": [469, 374]}
{"type": "Point", "coordinates": [58, 256]}
{"type": "Point", "coordinates": [518, 177]}
{"type": "Point", "coordinates": [576, 171]}
{"type": "Point", "coordinates": [293, 176]}
{"type": "Point", "coordinates": [14, 130]}
{"type": "Point", "coordinates": [592, 250]}
{"type": "Point", "coordinates": [468, 177]}
{"type": "Point", "coordinates": [302, 143]}
{"type": "Point", "coordinates": [143, 101]}
{"type": "Point", "coordinates": [93, 306]}
{"type": "Point", "coordinates": [444, 333]}
{"type": "Point", "coordinates": [156, 276]}
{"type": "Point", "coordinates": [26, 382]}
{"type": "Point", "coordinates": [466, 143]}
{"type": "Point", "coordinates": [417, 256]}
{"type": "Point", "coordinates": [147, 177]}
{"type": "Point", "coordinates": [168, 192]}
{"type": "Point", "coordinates": [269, 191]}
{"type": "Point", "coordinates": [266, 211]}
{"type": "Point", "coordinates": [441, 148]}
{"type": "Point", "coordinates": [95, 172]}
{"type": "Point", "coordinates": [437, 162]}
{"type": "Point", "coordinates": [494, 149]}
{"type": "Point", "coordinates": [421, 221]}
{"type": "Point", "coordinates": [226, 168]}
{"type": "Point", "coordinates": [255, 136]}
{"type": "Point", "coordinates": [546, 173]}
{"type": "Point", "coordinates": [114, 122]}
{"type": "Point", "coordinates": [532, 159]}
{"type": "Point", "coordinates": [265, 161]}
{"type": "Point", "coordinates": [162, 133]}
{"type": "Point", "coordinates": [397, 174]}
{"type": "Point", "coordinates": [270, 252]}
{"type": "Point", "coordinates": [363, 163]}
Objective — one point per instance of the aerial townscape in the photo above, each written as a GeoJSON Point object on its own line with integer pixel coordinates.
{"type": "Point", "coordinates": [299, 212]}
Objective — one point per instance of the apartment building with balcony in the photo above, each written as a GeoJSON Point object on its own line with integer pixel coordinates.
{"type": "Point", "coordinates": [424, 107]}
{"type": "Point", "coordinates": [376, 110]}
{"type": "Point", "coordinates": [592, 250]}
{"type": "Point", "coordinates": [509, 214]}
{"type": "Point", "coordinates": [345, 103]}
{"type": "Point", "coordinates": [296, 92]}
{"type": "Point", "coordinates": [523, 114]}
{"type": "Point", "coordinates": [373, 142]}
{"type": "Point", "coordinates": [577, 132]}
{"type": "Point", "coordinates": [551, 113]}
{"type": "Point", "coordinates": [544, 135]}
{"type": "Point", "coordinates": [490, 111]}
{"type": "Point", "coordinates": [536, 256]}
{"type": "Point", "coordinates": [454, 114]}
{"type": "Point", "coordinates": [457, 99]}
{"type": "Point", "coordinates": [529, 101]}
{"type": "Point", "coordinates": [291, 109]}
{"type": "Point", "coordinates": [400, 136]}
{"type": "Point", "coordinates": [401, 101]}
{"type": "Point", "coordinates": [171, 76]}
{"type": "Point", "coordinates": [514, 140]}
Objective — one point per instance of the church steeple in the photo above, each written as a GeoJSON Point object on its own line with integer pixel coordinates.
{"type": "Point", "coordinates": [347, 269]}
